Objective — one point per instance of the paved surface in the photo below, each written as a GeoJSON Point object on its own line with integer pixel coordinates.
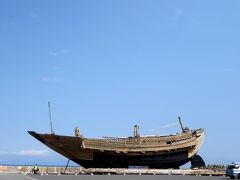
{"type": "Point", "coordinates": [15, 177]}
{"type": "Point", "coordinates": [105, 177]}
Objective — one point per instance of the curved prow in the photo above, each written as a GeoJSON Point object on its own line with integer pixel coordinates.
{"type": "Point", "coordinates": [36, 135]}
{"type": "Point", "coordinates": [32, 133]}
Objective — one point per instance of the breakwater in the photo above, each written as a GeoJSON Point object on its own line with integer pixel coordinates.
{"type": "Point", "coordinates": [111, 171]}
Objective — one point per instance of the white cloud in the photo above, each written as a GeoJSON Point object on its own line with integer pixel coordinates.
{"type": "Point", "coordinates": [52, 79]}
{"type": "Point", "coordinates": [54, 53]}
{"type": "Point", "coordinates": [12, 23]}
{"type": "Point", "coordinates": [26, 153]}
{"type": "Point", "coordinates": [56, 68]}
{"type": "Point", "coordinates": [65, 51]}
{"type": "Point", "coordinates": [33, 153]}
{"type": "Point", "coordinates": [33, 15]}
{"type": "Point", "coordinates": [178, 14]}
{"type": "Point", "coordinates": [59, 52]}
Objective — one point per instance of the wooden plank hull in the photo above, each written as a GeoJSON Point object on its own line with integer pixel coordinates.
{"type": "Point", "coordinates": [122, 153]}
{"type": "Point", "coordinates": [104, 160]}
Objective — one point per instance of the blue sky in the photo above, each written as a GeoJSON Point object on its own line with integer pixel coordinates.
{"type": "Point", "coordinates": [107, 65]}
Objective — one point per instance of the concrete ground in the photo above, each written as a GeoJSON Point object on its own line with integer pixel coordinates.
{"type": "Point", "coordinates": [15, 177]}
{"type": "Point", "coordinates": [106, 177]}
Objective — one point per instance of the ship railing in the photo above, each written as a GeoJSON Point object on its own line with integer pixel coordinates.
{"type": "Point", "coordinates": [114, 139]}
{"type": "Point", "coordinates": [139, 142]}
{"type": "Point", "coordinates": [144, 149]}
{"type": "Point", "coordinates": [134, 144]}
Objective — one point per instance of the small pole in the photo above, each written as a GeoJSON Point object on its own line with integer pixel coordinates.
{"type": "Point", "coordinates": [50, 117]}
{"type": "Point", "coordinates": [180, 122]}
{"type": "Point", "coordinates": [66, 166]}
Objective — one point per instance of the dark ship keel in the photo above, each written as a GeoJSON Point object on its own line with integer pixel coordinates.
{"type": "Point", "coordinates": [173, 160]}
{"type": "Point", "coordinates": [197, 162]}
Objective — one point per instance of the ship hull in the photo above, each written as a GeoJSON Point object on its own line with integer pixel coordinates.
{"type": "Point", "coordinates": [74, 149]}
{"type": "Point", "coordinates": [105, 160]}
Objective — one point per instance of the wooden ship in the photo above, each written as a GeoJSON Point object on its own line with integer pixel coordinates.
{"type": "Point", "coordinates": [169, 151]}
